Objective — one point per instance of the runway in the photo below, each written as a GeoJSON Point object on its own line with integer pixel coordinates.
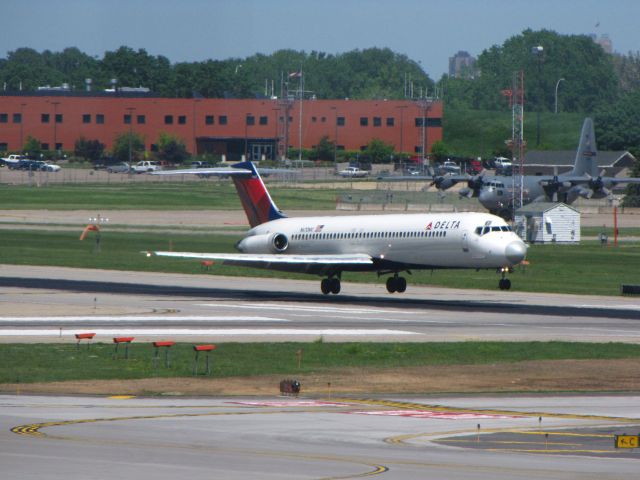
{"type": "Point", "coordinates": [54, 303]}
{"type": "Point", "coordinates": [274, 438]}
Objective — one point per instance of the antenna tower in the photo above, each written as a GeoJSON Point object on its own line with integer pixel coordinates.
{"type": "Point", "coordinates": [517, 140]}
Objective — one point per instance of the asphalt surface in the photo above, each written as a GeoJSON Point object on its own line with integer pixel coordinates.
{"type": "Point", "coordinates": [304, 438]}
{"type": "Point", "coordinates": [51, 302]}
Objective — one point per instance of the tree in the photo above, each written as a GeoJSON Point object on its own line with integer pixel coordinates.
{"type": "Point", "coordinates": [91, 150]}
{"type": "Point", "coordinates": [439, 151]}
{"type": "Point", "coordinates": [325, 149]}
{"type": "Point", "coordinates": [378, 151]}
{"type": "Point", "coordinates": [32, 147]}
{"type": "Point", "coordinates": [632, 193]}
{"type": "Point", "coordinates": [171, 148]}
{"type": "Point", "coordinates": [128, 142]}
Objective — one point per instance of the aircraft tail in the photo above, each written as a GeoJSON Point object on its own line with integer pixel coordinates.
{"type": "Point", "coordinates": [256, 201]}
{"type": "Point", "coordinates": [586, 157]}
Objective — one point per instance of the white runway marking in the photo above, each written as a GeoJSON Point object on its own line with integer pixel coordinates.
{"type": "Point", "coordinates": [303, 308]}
{"type": "Point", "coordinates": [430, 414]}
{"type": "Point", "coordinates": [208, 331]}
{"type": "Point", "coordinates": [136, 318]}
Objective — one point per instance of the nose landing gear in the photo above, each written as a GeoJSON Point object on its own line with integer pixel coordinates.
{"type": "Point", "coordinates": [396, 284]}
{"type": "Point", "coordinates": [504, 283]}
{"type": "Point", "coordinates": [330, 285]}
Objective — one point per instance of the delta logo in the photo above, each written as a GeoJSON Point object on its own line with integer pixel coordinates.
{"type": "Point", "coordinates": [444, 225]}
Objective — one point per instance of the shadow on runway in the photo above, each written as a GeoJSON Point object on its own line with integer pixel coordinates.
{"type": "Point", "coordinates": [256, 295]}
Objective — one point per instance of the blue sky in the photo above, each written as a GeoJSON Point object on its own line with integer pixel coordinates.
{"type": "Point", "coordinates": [427, 31]}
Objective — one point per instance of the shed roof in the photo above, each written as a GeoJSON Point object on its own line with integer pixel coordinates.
{"type": "Point", "coordinates": [566, 158]}
{"type": "Point", "coordinates": [542, 207]}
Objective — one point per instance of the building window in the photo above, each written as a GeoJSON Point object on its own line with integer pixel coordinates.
{"type": "Point", "coordinates": [208, 119]}
{"type": "Point", "coordinates": [182, 119]}
{"type": "Point", "coordinates": [58, 146]}
{"type": "Point", "coordinates": [44, 118]}
{"type": "Point", "coordinates": [4, 146]}
{"type": "Point", "coordinates": [127, 119]}
{"type": "Point", "coordinates": [153, 147]}
{"type": "Point", "coordinates": [58, 118]}
{"type": "Point", "coordinates": [99, 118]}
{"type": "Point", "coordinates": [323, 119]}
{"type": "Point", "coordinates": [168, 119]}
{"type": "Point", "coordinates": [377, 121]}
{"type": "Point", "coordinates": [86, 118]}
{"type": "Point", "coordinates": [251, 120]}
{"type": "Point", "coordinates": [418, 149]}
{"type": "Point", "coordinates": [364, 121]}
{"type": "Point", "coordinates": [340, 121]}
{"type": "Point", "coordinates": [222, 119]}
{"type": "Point", "coordinates": [391, 121]}
{"type": "Point", "coordinates": [44, 146]}
{"type": "Point", "coordinates": [4, 117]}
{"type": "Point", "coordinates": [430, 122]}
{"type": "Point", "coordinates": [17, 118]}
{"type": "Point", "coordinates": [142, 119]}
{"type": "Point", "coordinates": [314, 119]}
{"type": "Point", "coordinates": [264, 120]}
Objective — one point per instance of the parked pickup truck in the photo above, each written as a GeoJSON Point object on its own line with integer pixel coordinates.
{"type": "Point", "coordinates": [12, 160]}
{"type": "Point", "coordinates": [145, 166]}
{"type": "Point", "coordinates": [353, 172]}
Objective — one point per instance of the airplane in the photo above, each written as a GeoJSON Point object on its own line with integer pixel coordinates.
{"type": "Point", "coordinates": [495, 193]}
{"type": "Point", "coordinates": [387, 244]}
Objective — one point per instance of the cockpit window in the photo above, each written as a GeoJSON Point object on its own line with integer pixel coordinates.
{"type": "Point", "coordinates": [484, 230]}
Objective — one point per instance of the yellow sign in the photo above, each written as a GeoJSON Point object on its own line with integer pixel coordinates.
{"type": "Point", "coordinates": [627, 441]}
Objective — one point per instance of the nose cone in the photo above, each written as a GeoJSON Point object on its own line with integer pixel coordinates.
{"type": "Point", "coordinates": [515, 252]}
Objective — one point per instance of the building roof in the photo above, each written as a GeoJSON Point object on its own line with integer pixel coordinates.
{"type": "Point", "coordinates": [566, 158]}
{"type": "Point", "coordinates": [542, 207]}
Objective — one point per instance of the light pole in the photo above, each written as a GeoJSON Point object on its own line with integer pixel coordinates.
{"type": "Point", "coordinates": [335, 137]}
{"type": "Point", "coordinates": [537, 52]}
{"type": "Point", "coordinates": [556, 102]}
{"type": "Point", "coordinates": [55, 123]}
{"type": "Point", "coordinates": [130, 110]}
{"type": "Point", "coordinates": [401, 107]}
{"type": "Point", "coordinates": [22, 105]}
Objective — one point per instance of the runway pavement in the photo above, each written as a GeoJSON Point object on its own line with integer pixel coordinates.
{"type": "Point", "coordinates": [497, 437]}
{"type": "Point", "coordinates": [51, 304]}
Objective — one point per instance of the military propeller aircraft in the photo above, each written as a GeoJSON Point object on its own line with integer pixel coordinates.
{"type": "Point", "coordinates": [495, 193]}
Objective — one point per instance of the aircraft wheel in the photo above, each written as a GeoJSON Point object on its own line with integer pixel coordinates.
{"type": "Point", "coordinates": [334, 285]}
{"type": "Point", "coordinates": [391, 284]}
{"type": "Point", "coordinates": [504, 284]}
{"type": "Point", "coordinates": [401, 284]}
{"type": "Point", "coordinates": [325, 287]}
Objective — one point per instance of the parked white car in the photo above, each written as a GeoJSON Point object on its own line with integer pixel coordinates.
{"type": "Point", "coordinates": [353, 172]}
{"type": "Point", "coordinates": [50, 167]}
{"type": "Point", "coordinates": [145, 166]}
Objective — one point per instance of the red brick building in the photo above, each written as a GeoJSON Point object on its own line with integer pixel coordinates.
{"type": "Point", "coordinates": [233, 127]}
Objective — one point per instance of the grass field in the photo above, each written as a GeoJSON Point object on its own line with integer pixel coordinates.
{"type": "Point", "coordinates": [154, 196]}
{"type": "Point", "coordinates": [582, 269]}
{"type": "Point", "coordinates": [28, 363]}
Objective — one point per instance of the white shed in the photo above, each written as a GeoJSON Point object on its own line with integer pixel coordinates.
{"type": "Point", "coordinates": [543, 222]}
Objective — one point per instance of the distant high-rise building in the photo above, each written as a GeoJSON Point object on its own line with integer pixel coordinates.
{"type": "Point", "coordinates": [462, 64]}
{"type": "Point", "coordinates": [604, 41]}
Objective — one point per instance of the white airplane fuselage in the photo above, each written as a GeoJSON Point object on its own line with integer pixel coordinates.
{"type": "Point", "coordinates": [452, 240]}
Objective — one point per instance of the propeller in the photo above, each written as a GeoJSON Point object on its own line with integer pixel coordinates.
{"type": "Point", "coordinates": [473, 188]}
{"type": "Point", "coordinates": [553, 186]}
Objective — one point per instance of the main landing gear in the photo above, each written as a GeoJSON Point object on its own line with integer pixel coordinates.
{"type": "Point", "coordinates": [330, 285]}
{"type": "Point", "coordinates": [396, 284]}
{"type": "Point", "coordinates": [504, 283]}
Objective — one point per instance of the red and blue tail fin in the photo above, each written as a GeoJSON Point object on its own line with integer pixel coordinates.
{"type": "Point", "coordinates": [255, 198]}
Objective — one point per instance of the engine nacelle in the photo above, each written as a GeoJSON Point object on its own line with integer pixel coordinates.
{"type": "Point", "coordinates": [265, 243]}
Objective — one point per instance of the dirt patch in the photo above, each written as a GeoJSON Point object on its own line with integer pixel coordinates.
{"type": "Point", "coordinates": [563, 375]}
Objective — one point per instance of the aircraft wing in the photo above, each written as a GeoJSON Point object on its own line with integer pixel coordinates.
{"type": "Point", "coordinates": [221, 171]}
{"type": "Point", "coordinates": [291, 263]}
